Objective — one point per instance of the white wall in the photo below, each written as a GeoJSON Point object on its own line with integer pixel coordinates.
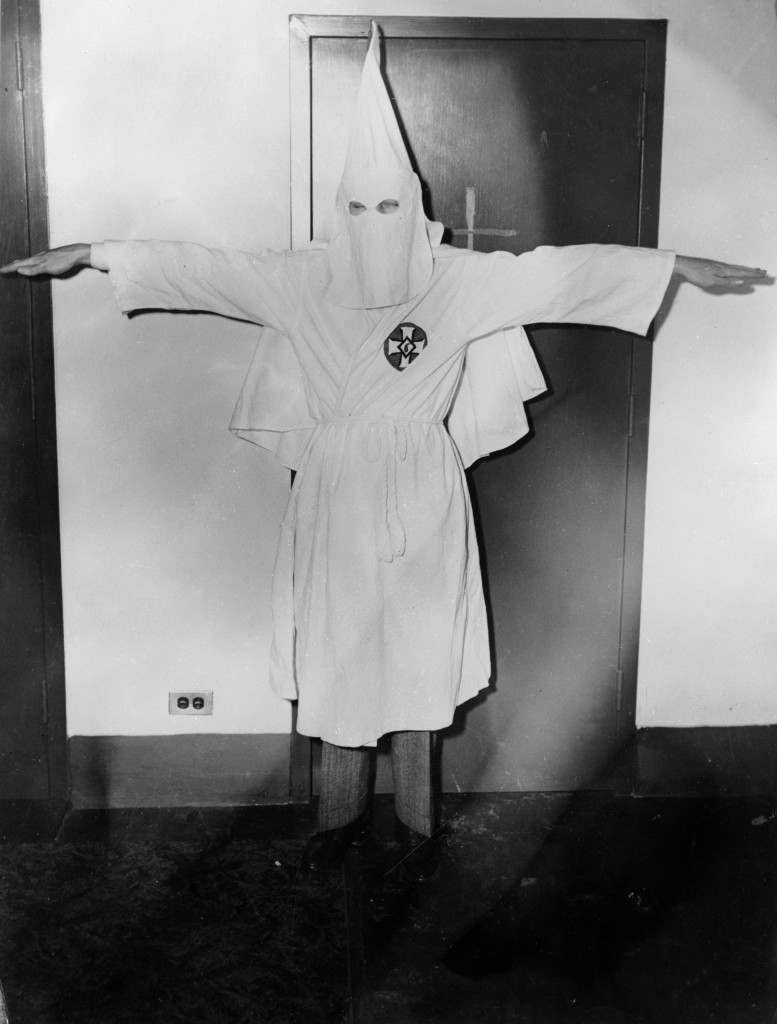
{"type": "Point", "coordinates": [171, 120]}
{"type": "Point", "coordinates": [163, 120]}
{"type": "Point", "coordinates": [708, 651]}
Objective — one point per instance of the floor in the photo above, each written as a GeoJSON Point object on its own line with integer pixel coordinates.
{"type": "Point", "coordinates": [548, 908]}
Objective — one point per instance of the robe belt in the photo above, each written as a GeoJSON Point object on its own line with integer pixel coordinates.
{"type": "Point", "coordinates": [386, 439]}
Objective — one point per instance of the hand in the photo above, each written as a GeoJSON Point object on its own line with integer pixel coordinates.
{"type": "Point", "coordinates": [54, 262]}
{"type": "Point", "coordinates": [718, 276]}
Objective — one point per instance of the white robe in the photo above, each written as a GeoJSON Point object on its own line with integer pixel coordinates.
{"type": "Point", "coordinates": [379, 617]}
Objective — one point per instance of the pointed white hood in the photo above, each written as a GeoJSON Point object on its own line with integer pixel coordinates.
{"type": "Point", "coordinates": [379, 249]}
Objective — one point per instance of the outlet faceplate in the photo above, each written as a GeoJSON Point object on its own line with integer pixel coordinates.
{"type": "Point", "coordinates": [190, 702]}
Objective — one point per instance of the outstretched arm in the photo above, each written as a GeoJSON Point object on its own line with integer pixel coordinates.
{"type": "Point", "coordinates": [701, 272]}
{"type": "Point", "coordinates": [603, 285]}
{"type": "Point", "coordinates": [261, 287]}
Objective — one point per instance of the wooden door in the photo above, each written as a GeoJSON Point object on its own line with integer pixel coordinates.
{"type": "Point", "coordinates": [527, 133]}
{"type": "Point", "coordinates": [32, 718]}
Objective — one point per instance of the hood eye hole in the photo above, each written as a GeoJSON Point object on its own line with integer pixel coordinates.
{"type": "Point", "coordinates": [355, 208]}
{"type": "Point", "coordinates": [388, 206]}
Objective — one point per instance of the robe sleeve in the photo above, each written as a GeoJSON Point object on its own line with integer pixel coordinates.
{"type": "Point", "coordinates": [261, 287]}
{"type": "Point", "coordinates": [604, 285]}
{"type": "Point", "coordinates": [610, 286]}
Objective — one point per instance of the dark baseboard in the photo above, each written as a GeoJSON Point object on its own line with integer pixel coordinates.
{"type": "Point", "coordinates": [30, 821]}
{"type": "Point", "coordinates": [234, 770]}
{"type": "Point", "coordinates": [707, 761]}
{"type": "Point", "coordinates": [197, 770]}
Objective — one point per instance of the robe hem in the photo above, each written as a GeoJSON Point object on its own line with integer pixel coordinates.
{"type": "Point", "coordinates": [434, 724]}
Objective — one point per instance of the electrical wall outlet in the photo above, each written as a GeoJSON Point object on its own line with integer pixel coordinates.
{"type": "Point", "coordinates": [191, 702]}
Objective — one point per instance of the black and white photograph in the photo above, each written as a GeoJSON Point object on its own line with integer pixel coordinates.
{"type": "Point", "coordinates": [388, 492]}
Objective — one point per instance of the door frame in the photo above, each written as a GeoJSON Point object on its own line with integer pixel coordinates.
{"type": "Point", "coordinates": [21, 43]}
{"type": "Point", "coordinates": [303, 30]}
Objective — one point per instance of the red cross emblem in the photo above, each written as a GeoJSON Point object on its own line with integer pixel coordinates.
{"type": "Point", "coordinates": [405, 343]}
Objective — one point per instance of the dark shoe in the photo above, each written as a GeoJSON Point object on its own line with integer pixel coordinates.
{"type": "Point", "coordinates": [327, 850]}
{"type": "Point", "coordinates": [414, 857]}
{"type": "Point", "coordinates": [417, 856]}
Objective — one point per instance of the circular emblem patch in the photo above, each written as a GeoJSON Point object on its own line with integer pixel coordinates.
{"type": "Point", "coordinates": [405, 343]}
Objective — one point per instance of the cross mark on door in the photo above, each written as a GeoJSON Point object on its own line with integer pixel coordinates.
{"type": "Point", "coordinates": [470, 209]}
